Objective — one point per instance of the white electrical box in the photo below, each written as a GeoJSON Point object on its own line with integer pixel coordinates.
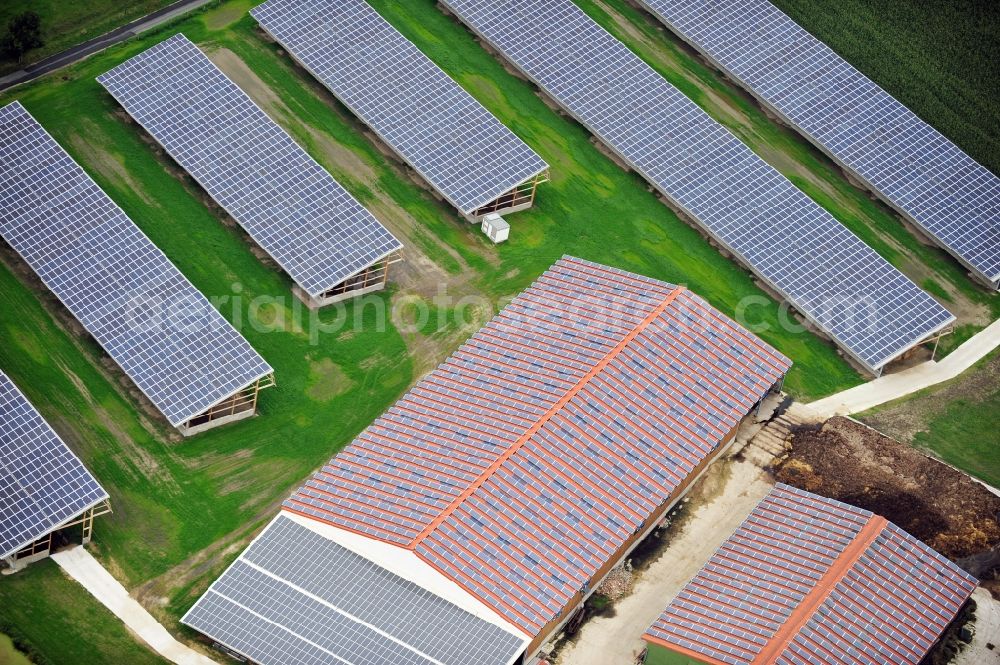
{"type": "Point", "coordinates": [496, 228]}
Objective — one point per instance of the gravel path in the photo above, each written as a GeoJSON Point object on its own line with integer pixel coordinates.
{"type": "Point", "coordinates": [82, 567]}
{"type": "Point", "coordinates": [987, 631]}
{"type": "Point", "coordinates": [893, 386]}
{"type": "Point", "coordinates": [617, 640]}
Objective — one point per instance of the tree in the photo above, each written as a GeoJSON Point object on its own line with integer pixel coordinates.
{"type": "Point", "coordinates": [24, 32]}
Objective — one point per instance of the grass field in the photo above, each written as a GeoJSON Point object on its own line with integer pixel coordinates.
{"type": "Point", "coordinates": [952, 420]}
{"type": "Point", "coordinates": [49, 608]}
{"type": "Point", "coordinates": [66, 24]}
{"type": "Point", "coordinates": [9, 654]}
{"type": "Point", "coordinates": [939, 57]}
{"type": "Point", "coordinates": [183, 508]}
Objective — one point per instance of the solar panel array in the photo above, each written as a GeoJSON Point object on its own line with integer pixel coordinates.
{"type": "Point", "coordinates": [160, 330]}
{"type": "Point", "coordinates": [296, 597]}
{"type": "Point", "coordinates": [927, 177]}
{"type": "Point", "coordinates": [438, 128]}
{"type": "Point", "coordinates": [289, 204]}
{"type": "Point", "coordinates": [525, 461]}
{"type": "Point", "coordinates": [42, 483]}
{"type": "Point", "coordinates": [890, 605]}
{"type": "Point", "coordinates": [866, 305]}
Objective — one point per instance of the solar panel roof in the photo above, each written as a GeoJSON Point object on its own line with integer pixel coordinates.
{"type": "Point", "coordinates": [523, 463]}
{"type": "Point", "coordinates": [147, 316]}
{"type": "Point", "coordinates": [43, 484]}
{"type": "Point", "coordinates": [807, 579]}
{"type": "Point", "coordinates": [923, 174]}
{"type": "Point", "coordinates": [289, 204]}
{"type": "Point", "coordinates": [296, 597]}
{"type": "Point", "coordinates": [865, 304]}
{"type": "Point", "coordinates": [438, 128]}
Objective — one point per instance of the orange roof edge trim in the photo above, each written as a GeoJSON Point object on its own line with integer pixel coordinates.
{"type": "Point", "coordinates": [555, 408]}
{"type": "Point", "coordinates": [659, 641]}
{"type": "Point", "coordinates": [819, 593]}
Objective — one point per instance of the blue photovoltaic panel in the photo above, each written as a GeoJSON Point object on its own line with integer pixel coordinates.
{"type": "Point", "coordinates": [438, 128]}
{"type": "Point", "coordinates": [42, 483]}
{"type": "Point", "coordinates": [160, 330]}
{"type": "Point", "coordinates": [296, 597]}
{"type": "Point", "coordinates": [865, 304]}
{"type": "Point", "coordinates": [923, 174]}
{"type": "Point", "coordinates": [316, 231]}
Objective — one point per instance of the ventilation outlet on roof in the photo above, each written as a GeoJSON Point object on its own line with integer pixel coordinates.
{"type": "Point", "coordinates": [496, 228]}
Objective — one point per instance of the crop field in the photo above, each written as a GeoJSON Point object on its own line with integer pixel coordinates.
{"type": "Point", "coordinates": [939, 57]}
{"type": "Point", "coordinates": [184, 508]}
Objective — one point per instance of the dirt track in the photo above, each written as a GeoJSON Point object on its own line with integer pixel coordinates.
{"type": "Point", "coordinates": [721, 501]}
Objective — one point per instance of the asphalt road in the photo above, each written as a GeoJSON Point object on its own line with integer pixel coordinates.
{"type": "Point", "coordinates": [81, 51]}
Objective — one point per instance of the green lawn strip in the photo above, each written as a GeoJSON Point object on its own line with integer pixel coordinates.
{"type": "Point", "coordinates": [963, 437]}
{"type": "Point", "coordinates": [66, 24]}
{"type": "Point", "coordinates": [958, 425]}
{"type": "Point", "coordinates": [873, 222]}
{"type": "Point", "coordinates": [60, 622]}
{"type": "Point", "coordinates": [938, 57]}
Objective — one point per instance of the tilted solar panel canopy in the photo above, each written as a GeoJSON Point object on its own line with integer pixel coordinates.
{"type": "Point", "coordinates": [520, 466]}
{"type": "Point", "coordinates": [438, 128]}
{"type": "Point", "coordinates": [919, 171]}
{"type": "Point", "coordinates": [807, 579]}
{"type": "Point", "coordinates": [290, 205]}
{"type": "Point", "coordinates": [868, 307]}
{"type": "Point", "coordinates": [295, 597]}
{"type": "Point", "coordinates": [162, 332]}
{"type": "Point", "coordinates": [43, 485]}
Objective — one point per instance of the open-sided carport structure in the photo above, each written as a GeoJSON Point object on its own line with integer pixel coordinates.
{"type": "Point", "coordinates": [191, 364]}
{"type": "Point", "coordinates": [870, 309]}
{"type": "Point", "coordinates": [44, 487]}
{"type": "Point", "coordinates": [319, 234]}
{"type": "Point", "coordinates": [457, 146]}
{"type": "Point", "coordinates": [928, 179]}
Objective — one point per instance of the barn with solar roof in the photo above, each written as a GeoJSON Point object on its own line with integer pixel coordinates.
{"type": "Point", "coordinates": [807, 579]}
{"type": "Point", "coordinates": [474, 518]}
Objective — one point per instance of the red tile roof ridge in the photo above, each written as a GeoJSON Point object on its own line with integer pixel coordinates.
{"type": "Point", "coordinates": [819, 593]}
{"type": "Point", "coordinates": [544, 418]}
